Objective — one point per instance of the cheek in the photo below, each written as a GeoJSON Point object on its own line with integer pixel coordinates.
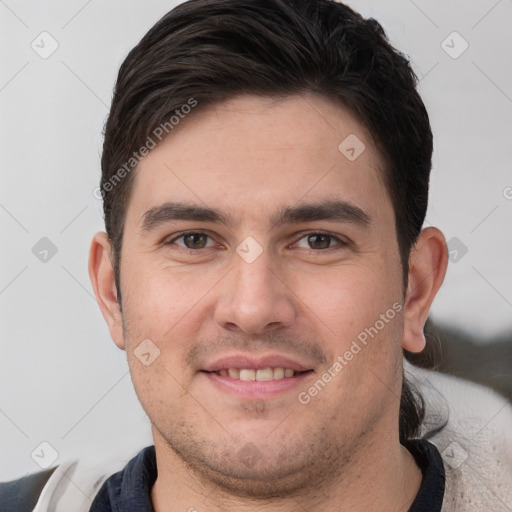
{"type": "Point", "coordinates": [357, 314]}
{"type": "Point", "coordinates": [159, 390]}
{"type": "Point", "coordinates": [159, 311]}
{"type": "Point", "coordinates": [159, 298]}
{"type": "Point", "coordinates": [345, 300]}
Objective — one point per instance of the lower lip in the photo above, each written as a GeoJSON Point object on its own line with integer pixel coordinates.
{"type": "Point", "coordinates": [254, 388]}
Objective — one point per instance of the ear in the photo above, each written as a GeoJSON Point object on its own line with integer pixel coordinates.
{"type": "Point", "coordinates": [101, 274]}
{"type": "Point", "coordinates": [427, 267]}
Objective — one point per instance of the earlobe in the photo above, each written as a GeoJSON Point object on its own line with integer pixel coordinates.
{"type": "Point", "coordinates": [427, 267]}
{"type": "Point", "coordinates": [101, 274]}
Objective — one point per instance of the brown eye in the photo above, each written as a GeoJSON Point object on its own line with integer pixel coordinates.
{"type": "Point", "coordinates": [195, 240]}
{"type": "Point", "coordinates": [319, 241]}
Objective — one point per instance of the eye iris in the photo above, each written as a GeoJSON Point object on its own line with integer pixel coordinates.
{"type": "Point", "coordinates": [324, 244]}
{"type": "Point", "coordinates": [194, 238]}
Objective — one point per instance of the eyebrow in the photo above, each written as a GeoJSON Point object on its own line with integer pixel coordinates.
{"type": "Point", "coordinates": [329, 210]}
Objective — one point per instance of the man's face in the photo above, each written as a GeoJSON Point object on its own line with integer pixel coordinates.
{"type": "Point", "coordinates": [301, 294]}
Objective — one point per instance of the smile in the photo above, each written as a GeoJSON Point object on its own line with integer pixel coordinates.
{"type": "Point", "coordinates": [259, 374]}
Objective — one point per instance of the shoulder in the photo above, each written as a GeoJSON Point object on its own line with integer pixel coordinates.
{"type": "Point", "coordinates": [471, 426]}
{"type": "Point", "coordinates": [23, 493]}
{"type": "Point", "coordinates": [64, 487]}
{"type": "Point", "coordinates": [470, 407]}
{"type": "Point", "coordinates": [72, 485]}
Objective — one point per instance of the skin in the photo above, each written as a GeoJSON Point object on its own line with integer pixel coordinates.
{"type": "Point", "coordinates": [248, 157]}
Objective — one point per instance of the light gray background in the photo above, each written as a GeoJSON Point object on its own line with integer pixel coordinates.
{"type": "Point", "coordinates": [62, 380]}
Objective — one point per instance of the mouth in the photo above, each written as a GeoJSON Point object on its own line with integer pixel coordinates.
{"type": "Point", "coordinates": [258, 374]}
{"type": "Point", "coordinates": [252, 377]}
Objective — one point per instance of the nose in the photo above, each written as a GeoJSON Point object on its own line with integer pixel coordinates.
{"type": "Point", "coordinates": [255, 298]}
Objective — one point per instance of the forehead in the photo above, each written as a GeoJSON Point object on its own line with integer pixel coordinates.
{"type": "Point", "coordinates": [253, 154]}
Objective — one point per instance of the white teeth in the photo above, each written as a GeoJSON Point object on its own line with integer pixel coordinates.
{"type": "Point", "coordinates": [264, 374]}
{"type": "Point", "coordinates": [234, 373]}
{"type": "Point", "coordinates": [261, 374]}
{"type": "Point", "coordinates": [247, 374]}
{"type": "Point", "coordinates": [278, 373]}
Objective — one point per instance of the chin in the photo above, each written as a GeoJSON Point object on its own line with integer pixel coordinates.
{"type": "Point", "coordinates": [262, 481]}
{"type": "Point", "coordinates": [259, 465]}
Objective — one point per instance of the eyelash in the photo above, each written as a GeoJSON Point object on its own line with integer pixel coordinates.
{"type": "Point", "coordinates": [341, 243]}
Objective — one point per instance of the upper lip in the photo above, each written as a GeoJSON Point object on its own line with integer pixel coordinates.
{"type": "Point", "coordinates": [254, 362]}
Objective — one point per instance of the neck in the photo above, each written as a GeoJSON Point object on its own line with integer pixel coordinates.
{"type": "Point", "coordinates": [380, 475]}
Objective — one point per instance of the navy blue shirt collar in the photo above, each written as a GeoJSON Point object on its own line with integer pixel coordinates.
{"type": "Point", "coordinates": [129, 490]}
{"type": "Point", "coordinates": [431, 492]}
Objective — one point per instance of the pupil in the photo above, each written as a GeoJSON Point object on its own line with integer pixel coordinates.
{"type": "Point", "coordinates": [195, 244]}
{"type": "Point", "coordinates": [321, 245]}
